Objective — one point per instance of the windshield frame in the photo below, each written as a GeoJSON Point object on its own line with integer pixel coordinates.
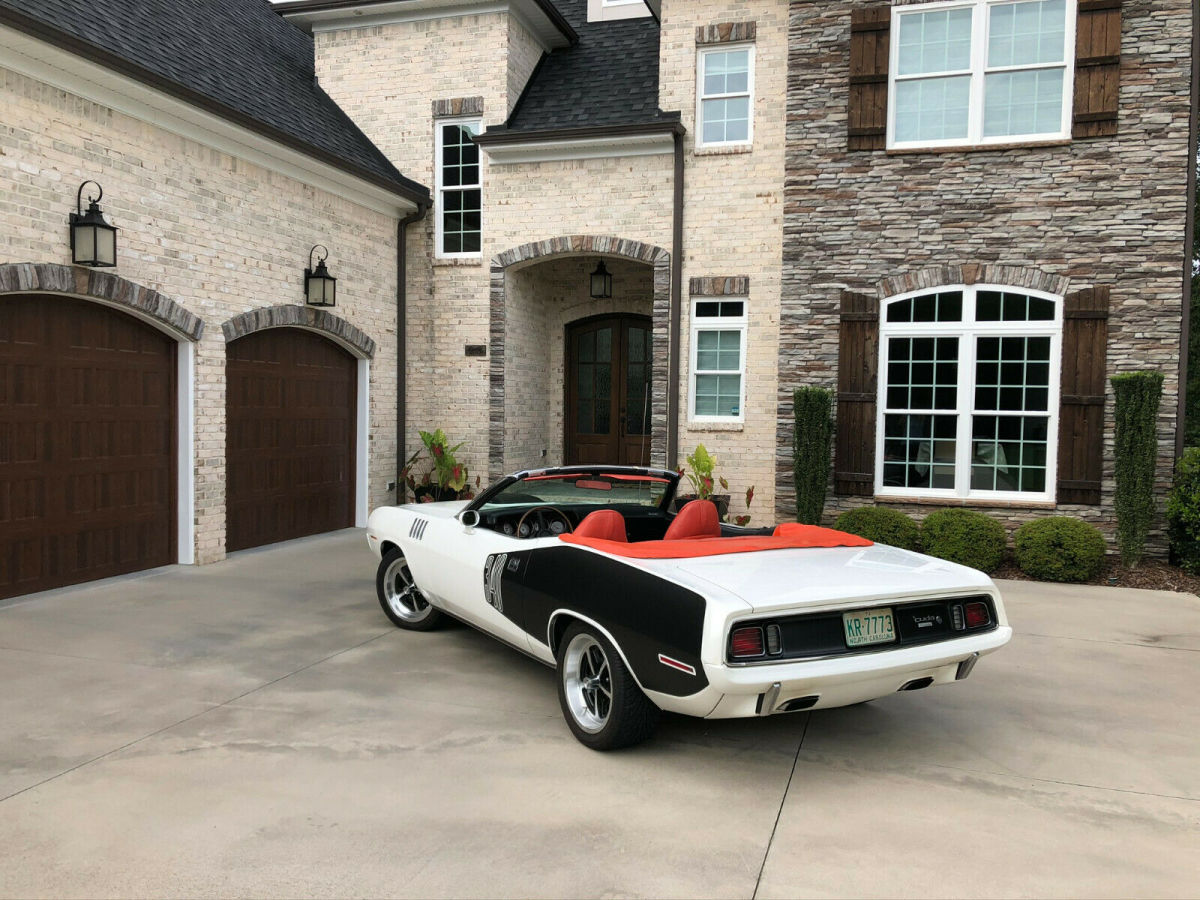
{"type": "Point", "coordinates": [672, 479]}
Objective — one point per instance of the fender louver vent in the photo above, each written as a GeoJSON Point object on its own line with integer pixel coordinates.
{"type": "Point", "coordinates": [417, 532]}
{"type": "Point", "coordinates": [493, 573]}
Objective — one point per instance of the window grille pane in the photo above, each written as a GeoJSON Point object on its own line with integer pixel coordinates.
{"type": "Point", "coordinates": [718, 395]}
{"type": "Point", "coordinates": [1021, 34]}
{"type": "Point", "coordinates": [919, 451]}
{"type": "Point", "coordinates": [932, 109]}
{"type": "Point", "coordinates": [1008, 453]}
{"type": "Point", "coordinates": [708, 309]}
{"type": "Point", "coordinates": [727, 73]}
{"type": "Point", "coordinates": [922, 373]}
{"type": "Point", "coordinates": [719, 351]}
{"type": "Point", "coordinates": [1012, 374]}
{"type": "Point", "coordinates": [1017, 103]}
{"type": "Point", "coordinates": [937, 41]}
{"type": "Point", "coordinates": [941, 307]}
{"type": "Point", "coordinates": [726, 120]}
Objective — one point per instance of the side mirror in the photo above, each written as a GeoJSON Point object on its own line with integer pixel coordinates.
{"type": "Point", "coordinates": [470, 518]}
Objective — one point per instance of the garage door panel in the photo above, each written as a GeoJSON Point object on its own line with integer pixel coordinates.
{"type": "Point", "coordinates": [87, 444]}
{"type": "Point", "coordinates": [290, 447]}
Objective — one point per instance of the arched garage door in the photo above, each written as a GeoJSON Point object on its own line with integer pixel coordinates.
{"type": "Point", "coordinates": [290, 401]}
{"type": "Point", "coordinates": [87, 443]}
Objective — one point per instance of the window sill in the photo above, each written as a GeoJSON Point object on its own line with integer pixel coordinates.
{"type": "Point", "coordinates": [701, 427]}
{"type": "Point", "coordinates": [722, 150]}
{"type": "Point", "coordinates": [451, 261]}
{"type": "Point", "coordinates": [957, 501]}
{"type": "Point", "coordinates": [980, 148]}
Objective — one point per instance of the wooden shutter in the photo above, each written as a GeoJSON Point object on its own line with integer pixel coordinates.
{"type": "Point", "coordinates": [858, 371]}
{"type": "Point", "coordinates": [1097, 68]}
{"type": "Point", "coordinates": [1081, 407]}
{"type": "Point", "coordinates": [869, 31]}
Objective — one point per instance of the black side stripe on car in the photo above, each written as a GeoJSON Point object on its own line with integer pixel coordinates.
{"type": "Point", "coordinates": [417, 532]}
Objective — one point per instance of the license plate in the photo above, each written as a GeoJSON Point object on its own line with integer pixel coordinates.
{"type": "Point", "coordinates": [868, 626]}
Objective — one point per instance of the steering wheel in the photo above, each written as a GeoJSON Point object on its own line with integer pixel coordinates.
{"type": "Point", "coordinates": [542, 520]}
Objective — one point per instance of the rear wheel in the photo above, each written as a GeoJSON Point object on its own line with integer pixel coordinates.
{"type": "Point", "coordinates": [399, 596]}
{"type": "Point", "coordinates": [603, 706]}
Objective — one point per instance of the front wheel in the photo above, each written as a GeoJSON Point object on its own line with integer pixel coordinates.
{"type": "Point", "coordinates": [603, 706]}
{"type": "Point", "coordinates": [399, 596]}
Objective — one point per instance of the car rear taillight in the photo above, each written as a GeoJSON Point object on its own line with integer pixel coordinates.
{"type": "Point", "coordinates": [746, 642]}
{"type": "Point", "coordinates": [977, 615]}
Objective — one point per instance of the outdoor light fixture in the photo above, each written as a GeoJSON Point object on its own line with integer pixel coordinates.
{"type": "Point", "coordinates": [320, 288]}
{"type": "Point", "coordinates": [601, 283]}
{"type": "Point", "coordinates": [93, 239]}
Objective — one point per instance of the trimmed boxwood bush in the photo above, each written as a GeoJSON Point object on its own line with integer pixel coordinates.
{"type": "Point", "coordinates": [1135, 452]}
{"type": "Point", "coordinates": [810, 450]}
{"type": "Point", "coordinates": [1059, 548]}
{"type": "Point", "coordinates": [964, 536]}
{"type": "Point", "coordinates": [881, 525]}
{"type": "Point", "coordinates": [1183, 512]}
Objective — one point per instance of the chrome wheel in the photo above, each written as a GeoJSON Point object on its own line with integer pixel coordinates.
{"type": "Point", "coordinates": [401, 595]}
{"type": "Point", "coordinates": [587, 683]}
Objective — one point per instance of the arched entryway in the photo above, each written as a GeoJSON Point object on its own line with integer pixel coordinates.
{"type": "Point", "coordinates": [88, 443]}
{"type": "Point", "coordinates": [292, 436]}
{"type": "Point", "coordinates": [609, 362]}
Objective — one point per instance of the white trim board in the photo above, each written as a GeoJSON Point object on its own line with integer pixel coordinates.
{"type": "Point", "coordinates": [581, 148]}
{"type": "Point", "coordinates": [59, 68]}
{"type": "Point", "coordinates": [185, 454]}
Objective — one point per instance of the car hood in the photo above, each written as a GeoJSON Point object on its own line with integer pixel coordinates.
{"type": "Point", "coordinates": [774, 580]}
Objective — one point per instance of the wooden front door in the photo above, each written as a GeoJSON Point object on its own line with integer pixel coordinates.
{"type": "Point", "coordinates": [609, 364]}
{"type": "Point", "coordinates": [290, 401]}
{"type": "Point", "coordinates": [87, 444]}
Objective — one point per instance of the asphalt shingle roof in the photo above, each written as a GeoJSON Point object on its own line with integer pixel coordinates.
{"type": "Point", "coordinates": [239, 54]}
{"type": "Point", "coordinates": [610, 77]}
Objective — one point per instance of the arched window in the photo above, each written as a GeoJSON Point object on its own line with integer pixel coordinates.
{"type": "Point", "coordinates": [968, 393]}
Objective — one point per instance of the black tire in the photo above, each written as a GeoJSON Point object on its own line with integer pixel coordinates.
{"type": "Point", "coordinates": [604, 707]}
{"type": "Point", "coordinates": [399, 597]}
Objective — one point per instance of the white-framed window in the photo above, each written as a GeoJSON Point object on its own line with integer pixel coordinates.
{"type": "Point", "coordinates": [459, 189]}
{"type": "Point", "coordinates": [725, 94]}
{"type": "Point", "coordinates": [718, 359]}
{"type": "Point", "coordinates": [975, 72]}
{"type": "Point", "coordinates": [968, 394]}
{"type": "Point", "coordinates": [611, 10]}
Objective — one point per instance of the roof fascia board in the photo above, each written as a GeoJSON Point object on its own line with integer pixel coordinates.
{"type": "Point", "coordinates": [93, 81]}
{"type": "Point", "coordinates": [515, 153]}
{"type": "Point", "coordinates": [539, 17]}
{"type": "Point", "coordinates": [655, 7]}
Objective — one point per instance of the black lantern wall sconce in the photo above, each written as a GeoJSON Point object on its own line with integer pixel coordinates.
{"type": "Point", "coordinates": [320, 288]}
{"type": "Point", "coordinates": [93, 239]}
{"type": "Point", "coordinates": [601, 283]}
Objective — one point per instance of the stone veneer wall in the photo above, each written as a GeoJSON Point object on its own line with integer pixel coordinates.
{"type": "Point", "coordinates": [210, 232]}
{"type": "Point", "coordinates": [1102, 211]}
{"type": "Point", "coordinates": [733, 225]}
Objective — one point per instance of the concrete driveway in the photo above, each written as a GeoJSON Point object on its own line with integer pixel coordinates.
{"type": "Point", "coordinates": [257, 727]}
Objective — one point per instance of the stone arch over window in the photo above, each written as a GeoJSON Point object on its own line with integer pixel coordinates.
{"type": "Point", "coordinates": [971, 274]}
{"type": "Point", "coordinates": [294, 316]}
{"type": "Point", "coordinates": [106, 288]}
{"type": "Point", "coordinates": [598, 246]}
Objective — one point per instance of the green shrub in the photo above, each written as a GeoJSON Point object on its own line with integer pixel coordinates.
{"type": "Point", "coordinates": [964, 536]}
{"type": "Point", "coordinates": [882, 525]}
{"type": "Point", "coordinates": [810, 450]}
{"type": "Point", "coordinates": [1059, 548]}
{"type": "Point", "coordinates": [1136, 453]}
{"type": "Point", "coordinates": [1183, 512]}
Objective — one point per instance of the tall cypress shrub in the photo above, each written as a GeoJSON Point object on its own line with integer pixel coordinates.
{"type": "Point", "coordinates": [1138, 395]}
{"type": "Point", "coordinates": [810, 450]}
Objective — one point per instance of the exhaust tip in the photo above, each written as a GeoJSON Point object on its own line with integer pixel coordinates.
{"type": "Point", "coordinates": [917, 683]}
{"type": "Point", "coordinates": [800, 703]}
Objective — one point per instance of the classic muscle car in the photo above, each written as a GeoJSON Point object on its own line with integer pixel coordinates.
{"type": "Point", "coordinates": [641, 608]}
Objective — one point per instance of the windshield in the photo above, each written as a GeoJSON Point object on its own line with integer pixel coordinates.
{"type": "Point", "coordinates": [582, 489]}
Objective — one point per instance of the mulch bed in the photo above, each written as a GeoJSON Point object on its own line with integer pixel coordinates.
{"type": "Point", "coordinates": [1150, 575]}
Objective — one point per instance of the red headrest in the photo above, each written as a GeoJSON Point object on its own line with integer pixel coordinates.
{"type": "Point", "coordinates": [698, 519]}
{"type": "Point", "coordinates": [604, 524]}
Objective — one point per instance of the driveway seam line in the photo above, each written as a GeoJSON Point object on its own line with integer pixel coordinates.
{"type": "Point", "coordinates": [1068, 637]}
{"type": "Point", "coordinates": [186, 719]}
{"type": "Point", "coordinates": [779, 812]}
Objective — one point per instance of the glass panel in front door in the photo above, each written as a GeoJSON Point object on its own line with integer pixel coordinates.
{"type": "Point", "coordinates": [637, 381]}
{"type": "Point", "coordinates": [593, 350]}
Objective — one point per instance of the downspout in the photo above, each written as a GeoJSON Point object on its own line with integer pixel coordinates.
{"type": "Point", "coordinates": [676, 308]}
{"type": "Point", "coordinates": [1189, 238]}
{"type": "Point", "coordinates": [402, 341]}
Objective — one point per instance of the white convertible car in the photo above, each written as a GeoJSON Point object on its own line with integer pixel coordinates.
{"type": "Point", "coordinates": [639, 610]}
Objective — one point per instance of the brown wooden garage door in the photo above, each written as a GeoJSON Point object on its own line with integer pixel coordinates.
{"type": "Point", "coordinates": [291, 401]}
{"type": "Point", "coordinates": [87, 444]}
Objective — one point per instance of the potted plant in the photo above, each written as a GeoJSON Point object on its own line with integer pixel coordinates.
{"type": "Point", "coordinates": [447, 479]}
{"type": "Point", "coordinates": [700, 472]}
